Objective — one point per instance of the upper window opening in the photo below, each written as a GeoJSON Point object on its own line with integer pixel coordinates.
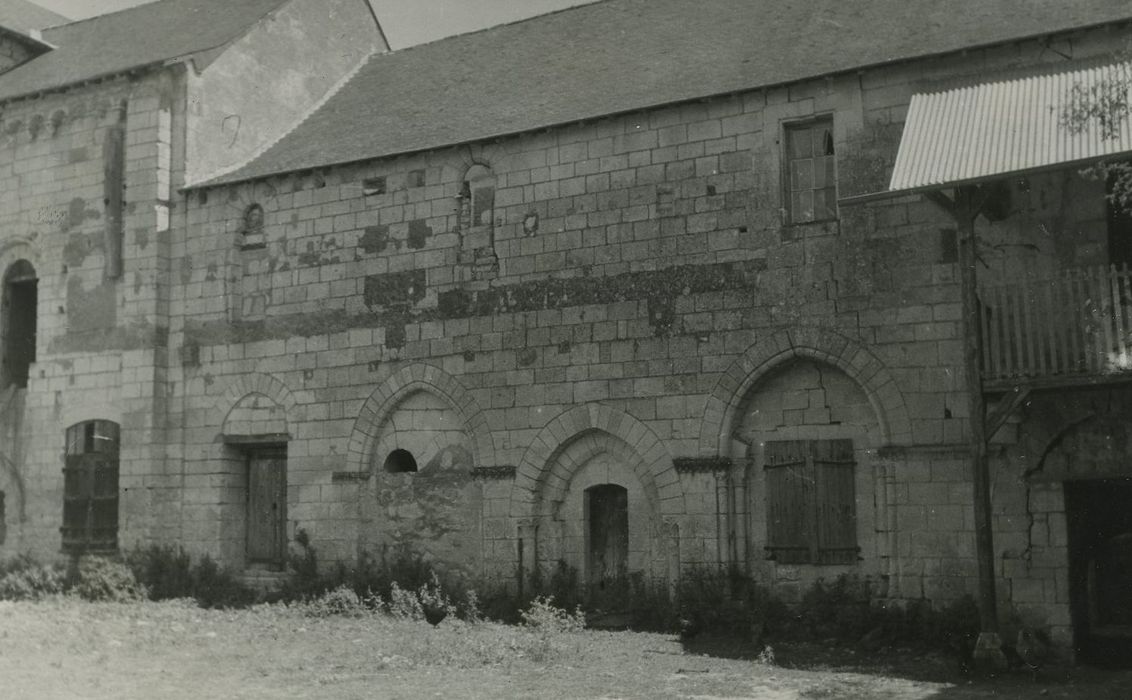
{"type": "Point", "coordinates": [400, 462]}
{"type": "Point", "coordinates": [18, 324]}
{"type": "Point", "coordinates": [479, 184]}
{"type": "Point", "coordinates": [253, 226]}
{"type": "Point", "coordinates": [811, 172]}
{"type": "Point", "coordinates": [90, 488]}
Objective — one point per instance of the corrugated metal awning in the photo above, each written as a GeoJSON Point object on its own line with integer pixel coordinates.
{"type": "Point", "coordinates": [992, 130]}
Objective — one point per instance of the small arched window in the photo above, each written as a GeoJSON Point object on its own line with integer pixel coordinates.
{"type": "Point", "coordinates": [400, 462]}
{"type": "Point", "coordinates": [90, 487]}
{"type": "Point", "coordinates": [252, 228]}
{"type": "Point", "coordinates": [18, 323]}
{"type": "Point", "coordinates": [479, 185]}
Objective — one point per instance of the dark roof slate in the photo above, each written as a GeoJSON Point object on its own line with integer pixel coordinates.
{"type": "Point", "coordinates": [623, 55]}
{"type": "Point", "coordinates": [132, 38]}
{"type": "Point", "coordinates": [23, 16]}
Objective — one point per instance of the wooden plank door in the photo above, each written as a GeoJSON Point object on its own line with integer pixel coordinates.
{"type": "Point", "coordinates": [267, 506]}
{"type": "Point", "coordinates": [609, 534]}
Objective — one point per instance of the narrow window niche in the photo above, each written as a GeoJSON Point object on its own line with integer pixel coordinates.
{"type": "Point", "coordinates": [251, 230]}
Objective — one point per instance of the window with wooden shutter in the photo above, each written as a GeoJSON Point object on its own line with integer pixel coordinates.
{"type": "Point", "coordinates": [811, 503]}
{"type": "Point", "coordinates": [90, 488]}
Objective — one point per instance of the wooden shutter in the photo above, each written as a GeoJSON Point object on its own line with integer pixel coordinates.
{"type": "Point", "coordinates": [104, 501]}
{"type": "Point", "coordinates": [90, 488]}
{"type": "Point", "coordinates": [76, 502]}
{"type": "Point", "coordinates": [789, 498]}
{"type": "Point", "coordinates": [835, 471]}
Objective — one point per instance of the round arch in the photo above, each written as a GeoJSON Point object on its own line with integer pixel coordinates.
{"type": "Point", "coordinates": [822, 345]}
{"type": "Point", "coordinates": [409, 380]}
{"type": "Point", "coordinates": [239, 393]}
{"type": "Point", "coordinates": [585, 423]}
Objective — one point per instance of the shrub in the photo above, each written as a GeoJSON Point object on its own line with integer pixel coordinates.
{"type": "Point", "coordinates": [23, 578]}
{"type": "Point", "coordinates": [165, 571]}
{"type": "Point", "coordinates": [715, 602]}
{"type": "Point", "coordinates": [404, 603]}
{"type": "Point", "coordinates": [547, 624]}
{"type": "Point", "coordinates": [340, 601]}
{"type": "Point", "coordinates": [216, 587]}
{"type": "Point", "coordinates": [102, 579]}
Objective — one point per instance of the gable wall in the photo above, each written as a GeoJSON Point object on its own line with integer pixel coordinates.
{"type": "Point", "coordinates": [267, 80]}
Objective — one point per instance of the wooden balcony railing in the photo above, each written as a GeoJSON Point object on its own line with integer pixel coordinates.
{"type": "Point", "coordinates": [1075, 326]}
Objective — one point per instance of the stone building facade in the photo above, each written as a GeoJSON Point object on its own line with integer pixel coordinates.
{"type": "Point", "coordinates": [95, 145]}
{"type": "Point", "coordinates": [631, 340]}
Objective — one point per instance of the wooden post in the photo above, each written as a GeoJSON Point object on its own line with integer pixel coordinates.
{"type": "Point", "coordinates": [988, 648]}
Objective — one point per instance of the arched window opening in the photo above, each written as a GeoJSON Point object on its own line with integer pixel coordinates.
{"type": "Point", "coordinates": [479, 185]}
{"type": "Point", "coordinates": [18, 322]}
{"type": "Point", "coordinates": [400, 462]}
{"type": "Point", "coordinates": [252, 229]}
{"type": "Point", "coordinates": [90, 488]}
{"type": "Point", "coordinates": [607, 529]}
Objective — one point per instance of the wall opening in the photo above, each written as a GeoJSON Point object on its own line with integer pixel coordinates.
{"type": "Point", "coordinates": [1100, 568]}
{"type": "Point", "coordinates": [607, 530]}
{"type": "Point", "coordinates": [90, 488]}
{"type": "Point", "coordinates": [252, 228]}
{"type": "Point", "coordinates": [267, 507]}
{"type": "Point", "coordinates": [20, 301]}
{"type": "Point", "coordinates": [400, 462]}
{"type": "Point", "coordinates": [479, 184]}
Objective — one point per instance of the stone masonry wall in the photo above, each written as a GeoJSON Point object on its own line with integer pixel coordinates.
{"type": "Point", "coordinates": [101, 333]}
{"type": "Point", "coordinates": [611, 311]}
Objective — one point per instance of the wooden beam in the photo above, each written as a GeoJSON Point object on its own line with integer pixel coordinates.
{"type": "Point", "coordinates": [1008, 405]}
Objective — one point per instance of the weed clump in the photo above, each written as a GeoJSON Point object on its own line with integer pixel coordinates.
{"type": "Point", "coordinates": [23, 578]}
{"type": "Point", "coordinates": [169, 573]}
{"type": "Point", "coordinates": [100, 579]}
{"type": "Point", "coordinates": [547, 625]}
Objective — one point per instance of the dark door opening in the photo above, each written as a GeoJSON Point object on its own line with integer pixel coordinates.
{"type": "Point", "coordinates": [1119, 229]}
{"type": "Point", "coordinates": [607, 513]}
{"type": "Point", "coordinates": [1100, 569]}
{"type": "Point", "coordinates": [21, 297]}
{"type": "Point", "coordinates": [267, 507]}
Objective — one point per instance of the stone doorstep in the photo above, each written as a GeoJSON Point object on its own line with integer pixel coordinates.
{"type": "Point", "coordinates": [263, 580]}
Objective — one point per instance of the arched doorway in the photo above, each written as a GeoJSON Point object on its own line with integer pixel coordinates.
{"type": "Point", "coordinates": [607, 535]}
{"type": "Point", "coordinates": [18, 324]}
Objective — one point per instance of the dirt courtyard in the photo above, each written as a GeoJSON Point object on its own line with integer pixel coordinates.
{"type": "Point", "coordinates": [64, 648]}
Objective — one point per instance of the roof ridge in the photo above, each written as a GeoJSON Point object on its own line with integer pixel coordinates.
{"type": "Point", "coordinates": [133, 8]}
{"type": "Point", "coordinates": [582, 4]}
{"type": "Point", "coordinates": [319, 104]}
{"type": "Point", "coordinates": [107, 14]}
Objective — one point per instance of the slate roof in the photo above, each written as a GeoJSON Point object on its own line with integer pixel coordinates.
{"type": "Point", "coordinates": [132, 38]}
{"type": "Point", "coordinates": [23, 16]}
{"type": "Point", "coordinates": [618, 56]}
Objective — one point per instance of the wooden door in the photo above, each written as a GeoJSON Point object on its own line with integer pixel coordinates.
{"type": "Point", "coordinates": [267, 506]}
{"type": "Point", "coordinates": [608, 556]}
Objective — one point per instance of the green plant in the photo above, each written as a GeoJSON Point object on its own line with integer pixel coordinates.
{"type": "Point", "coordinates": [102, 579]}
{"type": "Point", "coordinates": [215, 587]}
{"type": "Point", "coordinates": [165, 571]}
{"type": "Point", "coordinates": [404, 603]}
{"type": "Point", "coordinates": [340, 601]}
{"type": "Point", "coordinates": [23, 578]}
{"type": "Point", "coordinates": [547, 624]}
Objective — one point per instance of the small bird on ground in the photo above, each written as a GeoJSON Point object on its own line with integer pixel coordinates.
{"type": "Point", "coordinates": [434, 614]}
